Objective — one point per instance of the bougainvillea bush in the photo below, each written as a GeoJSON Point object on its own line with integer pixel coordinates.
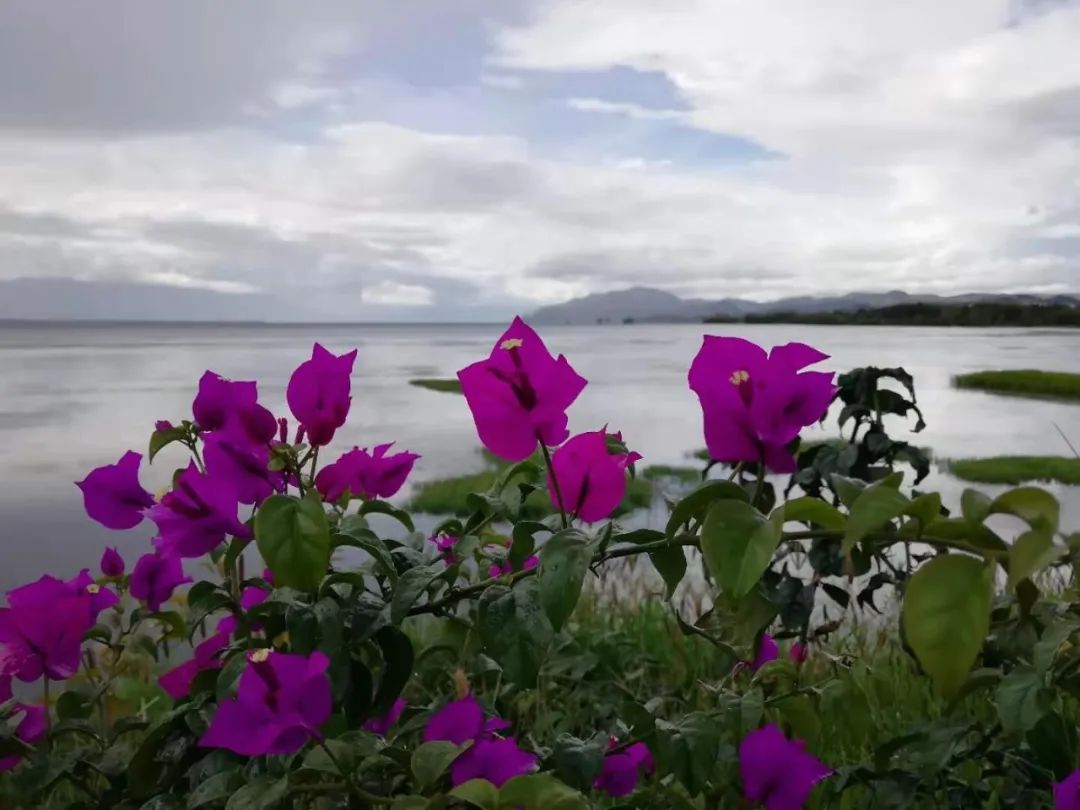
{"type": "Point", "coordinates": [331, 656]}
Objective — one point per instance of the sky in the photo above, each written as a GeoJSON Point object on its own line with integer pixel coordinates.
{"type": "Point", "coordinates": [461, 159]}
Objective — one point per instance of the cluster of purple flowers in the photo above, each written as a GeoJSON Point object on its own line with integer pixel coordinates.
{"type": "Point", "coordinates": [754, 404]}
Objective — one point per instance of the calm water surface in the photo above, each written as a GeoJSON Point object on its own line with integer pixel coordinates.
{"type": "Point", "coordinates": [75, 397]}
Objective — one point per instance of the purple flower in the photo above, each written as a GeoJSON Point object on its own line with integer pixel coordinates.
{"type": "Point", "coordinates": [161, 425]}
{"type": "Point", "coordinates": [280, 703]}
{"type": "Point", "coordinates": [112, 564]}
{"type": "Point", "coordinates": [490, 757]}
{"type": "Point", "coordinates": [504, 568]}
{"type": "Point", "coordinates": [41, 629]}
{"type": "Point", "coordinates": [366, 475]}
{"type": "Point", "coordinates": [195, 516]}
{"type": "Point", "coordinates": [444, 542]}
{"type": "Point", "coordinates": [253, 595]}
{"type": "Point", "coordinates": [777, 772]}
{"type": "Point", "coordinates": [1067, 792]}
{"type": "Point", "coordinates": [755, 404]}
{"type": "Point", "coordinates": [592, 482]}
{"type": "Point", "coordinates": [113, 496]}
{"type": "Point", "coordinates": [620, 772]}
{"type": "Point", "coordinates": [767, 650]}
{"type": "Point", "coordinates": [799, 652]}
{"type": "Point", "coordinates": [30, 729]}
{"type": "Point", "coordinates": [222, 403]}
{"type": "Point", "coordinates": [155, 577]}
{"type": "Point", "coordinates": [319, 393]}
{"type": "Point", "coordinates": [232, 457]}
{"type": "Point", "coordinates": [382, 725]}
{"type": "Point", "coordinates": [177, 681]}
{"type": "Point", "coordinates": [519, 395]}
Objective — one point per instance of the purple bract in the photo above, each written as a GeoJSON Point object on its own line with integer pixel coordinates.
{"type": "Point", "coordinates": [591, 481]}
{"type": "Point", "coordinates": [113, 496]}
{"type": "Point", "coordinates": [319, 393]}
{"type": "Point", "coordinates": [777, 772]}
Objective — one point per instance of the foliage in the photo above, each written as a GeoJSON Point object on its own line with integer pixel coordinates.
{"type": "Point", "coordinates": [442, 385]}
{"type": "Point", "coordinates": [1016, 469]}
{"type": "Point", "coordinates": [920, 658]}
{"type": "Point", "coordinates": [1023, 383]}
{"type": "Point", "coordinates": [985, 313]}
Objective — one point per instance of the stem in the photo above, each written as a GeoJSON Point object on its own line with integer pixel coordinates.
{"type": "Point", "coordinates": [314, 461]}
{"type": "Point", "coordinates": [735, 471]}
{"type": "Point", "coordinates": [760, 486]}
{"type": "Point", "coordinates": [48, 712]}
{"type": "Point", "coordinates": [354, 788]}
{"type": "Point", "coordinates": [554, 484]}
{"type": "Point", "coordinates": [198, 458]}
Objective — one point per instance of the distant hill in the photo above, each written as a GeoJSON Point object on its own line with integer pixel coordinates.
{"type": "Point", "coordinates": [980, 313]}
{"type": "Point", "coordinates": [651, 305]}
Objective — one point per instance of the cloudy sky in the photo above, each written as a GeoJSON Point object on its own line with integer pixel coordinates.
{"type": "Point", "coordinates": [448, 159]}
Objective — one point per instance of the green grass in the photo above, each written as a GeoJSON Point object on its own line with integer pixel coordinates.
{"type": "Point", "coordinates": [446, 386]}
{"type": "Point", "coordinates": [1016, 469]}
{"type": "Point", "coordinates": [1023, 383]}
{"type": "Point", "coordinates": [686, 475]}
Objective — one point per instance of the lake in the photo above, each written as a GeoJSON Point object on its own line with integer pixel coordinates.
{"type": "Point", "coordinates": [73, 397]}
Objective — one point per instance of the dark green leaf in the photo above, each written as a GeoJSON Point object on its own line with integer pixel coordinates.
{"type": "Point", "coordinates": [384, 508]}
{"type": "Point", "coordinates": [874, 507]}
{"type": "Point", "coordinates": [696, 504]}
{"type": "Point", "coordinates": [577, 762]}
{"type": "Point", "coordinates": [479, 793]}
{"type": "Point", "coordinates": [540, 791]}
{"type": "Point", "coordinates": [670, 562]}
{"type": "Point", "coordinates": [294, 538]}
{"type": "Point", "coordinates": [412, 583]}
{"type": "Point", "coordinates": [214, 789]}
{"type": "Point", "coordinates": [564, 560]}
{"type": "Point", "coordinates": [261, 794]}
{"type": "Point", "coordinates": [738, 543]}
{"type": "Point", "coordinates": [515, 629]}
{"type": "Point", "coordinates": [431, 759]}
{"type": "Point", "coordinates": [1022, 700]}
{"type": "Point", "coordinates": [813, 511]}
{"type": "Point", "coordinates": [160, 439]}
{"type": "Point", "coordinates": [397, 653]}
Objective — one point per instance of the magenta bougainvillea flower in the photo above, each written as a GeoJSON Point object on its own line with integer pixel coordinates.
{"type": "Point", "coordinates": [504, 568]}
{"type": "Point", "coordinates": [112, 564]}
{"type": "Point", "coordinates": [31, 727]}
{"type": "Point", "coordinates": [177, 681]}
{"type": "Point", "coordinates": [382, 725]}
{"type": "Point", "coordinates": [444, 542]}
{"type": "Point", "coordinates": [155, 577]}
{"type": "Point", "coordinates": [767, 650]}
{"type": "Point", "coordinates": [491, 757]}
{"type": "Point", "coordinates": [41, 629]}
{"type": "Point", "coordinates": [196, 515]}
{"type": "Point", "coordinates": [113, 496]}
{"type": "Point", "coordinates": [754, 404]}
{"type": "Point", "coordinates": [621, 770]}
{"type": "Point", "coordinates": [319, 393]}
{"type": "Point", "coordinates": [591, 481]}
{"type": "Point", "coordinates": [232, 457]}
{"type": "Point", "coordinates": [799, 652]}
{"type": "Point", "coordinates": [777, 772]}
{"type": "Point", "coordinates": [519, 395]}
{"type": "Point", "coordinates": [1067, 792]}
{"type": "Point", "coordinates": [281, 701]}
{"type": "Point", "coordinates": [221, 404]}
{"type": "Point", "coordinates": [365, 475]}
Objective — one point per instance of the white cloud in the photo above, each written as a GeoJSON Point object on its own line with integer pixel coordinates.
{"type": "Point", "coordinates": [392, 293]}
{"type": "Point", "coordinates": [622, 108]}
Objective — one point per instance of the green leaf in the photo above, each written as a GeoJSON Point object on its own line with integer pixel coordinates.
{"type": "Point", "coordinates": [215, 788]}
{"type": "Point", "coordinates": [564, 561]}
{"type": "Point", "coordinates": [431, 759]}
{"type": "Point", "coordinates": [876, 505]}
{"type": "Point", "coordinates": [515, 629]}
{"type": "Point", "coordinates": [294, 538]}
{"type": "Point", "coordinates": [946, 616]}
{"type": "Point", "coordinates": [813, 511]}
{"type": "Point", "coordinates": [260, 794]}
{"type": "Point", "coordinates": [388, 509]}
{"type": "Point", "coordinates": [412, 583]}
{"type": "Point", "coordinates": [1037, 507]}
{"type": "Point", "coordinates": [1050, 642]}
{"type": "Point", "coordinates": [479, 793]}
{"type": "Point", "coordinates": [160, 439]}
{"type": "Point", "coordinates": [352, 534]}
{"type": "Point", "coordinates": [1030, 552]}
{"type": "Point", "coordinates": [577, 762]}
{"type": "Point", "coordinates": [670, 562]}
{"type": "Point", "coordinates": [524, 542]}
{"type": "Point", "coordinates": [847, 489]}
{"type": "Point", "coordinates": [540, 792]}
{"type": "Point", "coordinates": [74, 705]}
{"type": "Point", "coordinates": [1022, 700]}
{"type": "Point", "coordinates": [974, 506]}
{"type": "Point", "coordinates": [696, 504]}
{"type": "Point", "coordinates": [925, 509]}
{"type": "Point", "coordinates": [398, 658]}
{"type": "Point", "coordinates": [639, 536]}
{"type": "Point", "coordinates": [738, 543]}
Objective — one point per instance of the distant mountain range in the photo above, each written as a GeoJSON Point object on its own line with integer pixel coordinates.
{"type": "Point", "coordinates": [652, 305]}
